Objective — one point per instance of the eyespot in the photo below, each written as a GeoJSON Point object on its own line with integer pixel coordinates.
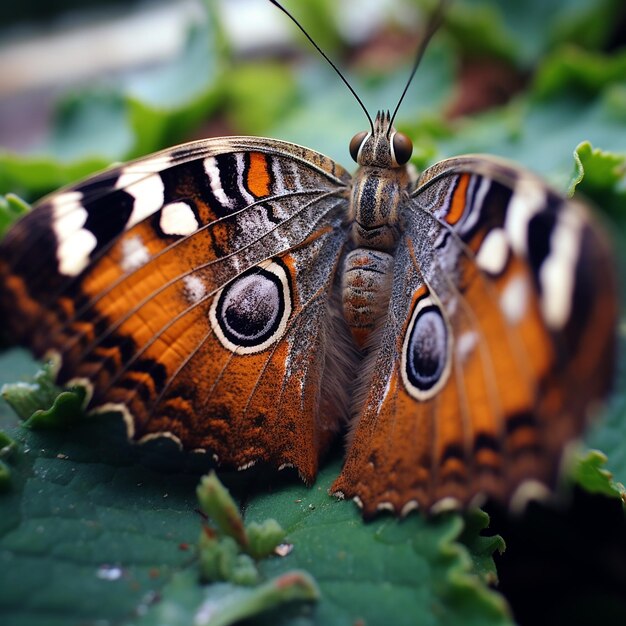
{"type": "Point", "coordinates": [401, 148]}
{"type": "Point", "coordinates": [355, 144]}
{"type": "Point", "coordinates": [426, 351]}
{"type": "Point", "coordinates": [251, 313]}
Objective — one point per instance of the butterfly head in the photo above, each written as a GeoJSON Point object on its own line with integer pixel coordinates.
{"type": "Point", "coordinates": [384, 147]}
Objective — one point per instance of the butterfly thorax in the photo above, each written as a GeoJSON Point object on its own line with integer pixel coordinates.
{"type": "Point", "coordinates": [377, 195]}
{"type": "Point", "coordinates": [380, 188]}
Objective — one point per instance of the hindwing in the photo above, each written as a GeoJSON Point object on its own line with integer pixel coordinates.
{"type": "Point", "coordinates": [498, 337]}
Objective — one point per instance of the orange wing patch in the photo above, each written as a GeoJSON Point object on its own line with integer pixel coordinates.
{"type": "Point", "coordinates": [258, 181]}
{"type": "Point", "coordinates": [458, 202]}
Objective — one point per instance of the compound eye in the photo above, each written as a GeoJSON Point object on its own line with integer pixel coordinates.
{"type": "Point", "coordinates": [355, 144]}
{"type": "Point", "coordinates": [401, 148]}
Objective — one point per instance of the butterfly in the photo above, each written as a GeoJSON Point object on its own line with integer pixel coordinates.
{"type": "Point", "coordinates": [250, 298]}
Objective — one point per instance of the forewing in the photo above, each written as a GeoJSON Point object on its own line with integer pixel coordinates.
{"type": "Point", "coordinates": [193, 290]}
{"type": "Point", "coordinates": [499, 338]}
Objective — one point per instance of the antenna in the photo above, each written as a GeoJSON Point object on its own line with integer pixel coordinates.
{"type": "Point", "coordinates": [431, 28]}
{"type": "Point", "coordinates": [347, 84]}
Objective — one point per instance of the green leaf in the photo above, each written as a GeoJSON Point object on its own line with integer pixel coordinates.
{"type": "Point", "coordinates": [8, 448]}
{"type": "Point", "coordinates": [28, 397]}
{"type": "Point", "coordinates": [221, 559]}
{"type": "Point", "coordinates": [597, 169]}
{"type": "Point", "coordinates": [590, 474]}
{"type": "Point", "coordinates": [66, 409]}
{"type": "Point", "coordinates": [608, 432]}
{"type": "Point", "coordinates": [601, 176]}
{"type": "Point", "coordinates": [12, 207]}
{"type": "Point", "coordinates": [418, 562]}
{"type": "Point", "coordinates": [481, 548]}
{"type": "Point", "coordinates": [183, 602]}
{"type": "Point", "coordinates": [98, 527]}
{"type": "Point", "coordinates": [41, 404]}
{"type": "Point", "coordinates": [5, 476]}
{"type": "Point", "coordinates": [256, 539]}
{"type": "Point", "coordinates": [217, 504]}
{"type": "Point", "coordinates": [86, 533]}
{"type": "Point", "coordinates": [264, 537]}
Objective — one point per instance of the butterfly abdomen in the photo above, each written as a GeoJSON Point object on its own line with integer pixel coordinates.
{"type": "Point", "coordinates": [366, 288]}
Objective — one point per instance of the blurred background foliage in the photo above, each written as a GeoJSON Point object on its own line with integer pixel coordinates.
{"type": "Point", "coordinates": [543, 76]}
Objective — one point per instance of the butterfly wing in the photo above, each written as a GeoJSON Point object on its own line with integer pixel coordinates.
{"type": "Point", "coordinates": [192, 289]}
{"type": "Point", "coordinates": [498, 339]}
